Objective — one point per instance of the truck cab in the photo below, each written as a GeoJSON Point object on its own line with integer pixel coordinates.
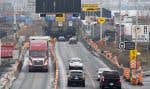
{"type": "Point", "coordinates": [38, 55]}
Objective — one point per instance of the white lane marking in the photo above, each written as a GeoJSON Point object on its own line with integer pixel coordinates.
{"type": "Point", "coordinates": [90, 77]}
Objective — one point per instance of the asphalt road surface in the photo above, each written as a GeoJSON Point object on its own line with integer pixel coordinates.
{"type": "Point", "coordinates": [64, 52]}
{"type": "Point", "coordinates": [34, 80]}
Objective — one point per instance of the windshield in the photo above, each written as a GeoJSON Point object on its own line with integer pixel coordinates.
{"type": "Point", "coordinates": [76, 68]}
{"type": "Point", "coordinates": [37, 53]}
{"type": "Point", "coordinates": [76, 73]}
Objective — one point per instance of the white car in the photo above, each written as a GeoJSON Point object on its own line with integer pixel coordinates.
{"type": "Point", "coordinates": [75, 59]}
{"type": "Point", "coordinates": [75, 63]}
{"type": "Point", "coordinates": [76, 66]}
{"type": "Point", "coordinates": [100, 71]}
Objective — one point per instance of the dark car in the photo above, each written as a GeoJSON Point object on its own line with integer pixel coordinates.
{"type": "Point", "coordinates": [61, 38]}
{"type": "Point", "coordinates": [76, 78]}
{"type": "Point", "coordinates": [110, 80]}
{"type": "Point", "coordinates": [73, 40]}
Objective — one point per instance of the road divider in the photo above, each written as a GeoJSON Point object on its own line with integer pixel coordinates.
{"type": "Point", "coordinates": [8, 78]}
{"type": "Point", "coordinates": [55, 63]}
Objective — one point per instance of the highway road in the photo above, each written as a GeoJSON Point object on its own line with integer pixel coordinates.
{"type": "Point", "coordinates": [64, 52]}
{"type": "Point", "coordinates": [33, 80]}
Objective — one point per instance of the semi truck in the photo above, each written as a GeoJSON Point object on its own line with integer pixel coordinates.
{"type": "Point", "coordinates": [38, 53]}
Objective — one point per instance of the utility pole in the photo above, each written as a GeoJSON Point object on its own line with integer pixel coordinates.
{"type": "Point", "coordinates": [14, 15]}
{"type": "Point", "coordinates": [120, 21]}
{"type": "Point", "coordinates": [101, 27]}
{"type": "Point", "coordinates": [137, 23]}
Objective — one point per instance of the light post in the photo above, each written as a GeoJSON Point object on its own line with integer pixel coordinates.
{"type": "Point", "coordinates": [101, 27]}
{"type": "Point", "coordinates": [120, 21]}
{"type": "Point", "coordinates": [14, 16]}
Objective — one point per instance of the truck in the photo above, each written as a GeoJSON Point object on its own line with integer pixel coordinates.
{"type": "Point", "coordinates": [38, 53]}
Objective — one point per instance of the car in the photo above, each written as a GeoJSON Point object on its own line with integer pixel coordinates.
{"type": "Point", "coordinates": [100, 71]}
{"type": "Point", "coordinates": [61, 38]}
{"type": "Point", "coordinates": [76, 77]}
{"type": "Point", "coordinates": [75, 59]}
{"type": "Point", "coordinates": [110, 80]}
{"type": "Point", "coordinates": [73, 40]}
{"type": "Point", "coordinates": [75, 64]}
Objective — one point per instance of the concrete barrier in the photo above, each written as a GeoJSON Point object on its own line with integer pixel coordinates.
{"type": "Point", "coordinates": [8, 78]}
{"type": "Point", "coordinates": [56, 67]}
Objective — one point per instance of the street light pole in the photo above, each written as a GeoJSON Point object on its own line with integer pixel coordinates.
{"type": "Point", "coordinates": [136, 24]}
{"type": "Point", "coordinates": [120, 21]}
{"type": "Point", "coordinates": [101, 27]}
{"type": "Point", "coordinates": [14, 15]}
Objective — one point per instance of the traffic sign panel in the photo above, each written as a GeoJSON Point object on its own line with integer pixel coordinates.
{"type": "Point", "coordinates": [70, 23]}
{"type": "Point", "coordinates": [101, 20]}
{"type": "Point", "coordinates": [90, 7]}
{"type": "Point", "coordinates": [121, 45]}
{"type": "Point", "coordinates": [60, 24]}
{"type": "Point", "coordinates": [133, 54]}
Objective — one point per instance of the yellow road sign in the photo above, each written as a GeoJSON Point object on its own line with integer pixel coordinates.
{"type": "Point", "coordinates": [133, 54]}
{"type": "Point", "coordinates": [101, 20]}
{"type": "Point", "coordinates": [90, 7]}
{"type": "Point", "coordinates": [60, 17]}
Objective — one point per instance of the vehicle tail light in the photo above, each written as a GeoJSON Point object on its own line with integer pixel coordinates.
{"type": "Point", "coordinates": [103, 78]}
{"type": "Point", "coordinates": [118, 81]}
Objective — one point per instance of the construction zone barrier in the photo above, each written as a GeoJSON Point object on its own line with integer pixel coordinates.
{"type": "Point", "coordinates": [126, 74]}
{"type": "Point", "coordinates": [9, 77]}
{"type": "Point", "coordinates": [132, 74]}
{"type": "Point", "coordinates": [56, 64]}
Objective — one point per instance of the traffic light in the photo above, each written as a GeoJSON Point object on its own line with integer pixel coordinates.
{"type": "Point", "coordinates": [42, 15]}
{"type": "Point", "coordinates": [75, 14]}
{"type": "Point", "coordinates": [59, 15]}
{"type": "Point", "coordinates": [129, 45]}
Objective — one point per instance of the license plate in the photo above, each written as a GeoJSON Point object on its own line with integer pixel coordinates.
{"type": "Point", "coordinates": [111, 84]}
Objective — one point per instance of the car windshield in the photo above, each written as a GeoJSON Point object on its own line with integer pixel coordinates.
{"type": "Point", "coordinates": [102, 69]}
{"type": "Point", "coordinates": [75, 60]}
{"type": "Point", "coordinates": [110, 75]}
{"type": "Point", "coordinates": [76, 68]}
{"type": "Point", "coordinates": [37, 53]}
{"type": "Point", "coordinates": [76, 73]}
